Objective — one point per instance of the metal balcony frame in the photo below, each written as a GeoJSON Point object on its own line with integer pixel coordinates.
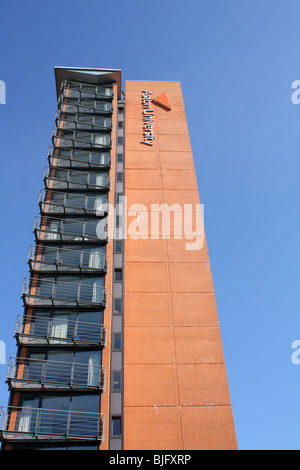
{"type": "Point", "coordinates": [76, 163]}
{"type": "Point", "coordinates": [74, 143]}
{"type": "Point", "coordinates": [35, 339]}
{"type": "Point", "coordinates": [30, 284]}
{"type": "Point", "coordinates": [65, 86]}
{"type": "Point", "coordinates": [73, 372]}
{"type": "Point", "coordinates": [10, 415]}
{"type": "Point", "coordinates": [72, 185]}
{"type": "Point", "coordinates": [89, 126]}
{"type": "Point", "coordinates": [68, 209]}
{"type": "Point", "coordinates": [58, 266]}
{"type": "Point", "coordinates": [82, 108]}
{"type": "Point", "coordinates": [67, 237]}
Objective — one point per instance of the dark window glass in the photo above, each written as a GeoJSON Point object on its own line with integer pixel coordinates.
{"type": "Point", "coordinates": [116, 381]}
{"type": "Point", "coordinates": [118, 246]}
{"type": "Point", "coordinates": [117, 306]}
{"type": "Point", "coordinates": [117, 341]}
{"type": "Point", "coordinates": [118, 274]}
{"type": "Point", "coordinates": [116, 426]}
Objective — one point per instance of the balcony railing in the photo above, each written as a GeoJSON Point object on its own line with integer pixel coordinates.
{"type": "Point", "coordinates": [37, 374]}
{"type": "Point", "coordinates": [44, 292]}
{"type": "Point", "coordinates": [50, 229]}
{"type": "Point", "coordinates": [60, 203]}
{"type": "Point", "coordinates": [19, 424]}
{"type": "Point", "coordinates": [84, 106]}
{"type": "Point", "coordinates": [51, 259]}
{"type": "Point", "coordinates": [79, 139]}
{"type": "Point", "coordinates": [85, 90]}
{"type": "Point", "coordinates": [74, 180]}
{"type": "Point", "coordinates": [82, 122]}
{"type": "Point", "coordinates": [58, 330]}
{"type": "Point", "coordinates": [79, 159]}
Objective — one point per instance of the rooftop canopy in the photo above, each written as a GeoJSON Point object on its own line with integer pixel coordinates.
{"type": "Point", "coordinates": [87, 75]}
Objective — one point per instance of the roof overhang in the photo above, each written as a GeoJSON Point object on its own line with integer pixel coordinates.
{"type": "Point", "coordinates": [87, 75]}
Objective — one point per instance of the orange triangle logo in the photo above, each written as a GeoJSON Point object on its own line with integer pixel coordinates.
{"type": "Point", "coordinates": [162, 101]}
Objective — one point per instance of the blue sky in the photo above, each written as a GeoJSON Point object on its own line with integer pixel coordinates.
{"type": "Point", "coordinates": [236, 60]}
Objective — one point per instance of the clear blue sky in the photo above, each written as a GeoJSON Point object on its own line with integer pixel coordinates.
{"type": "Point", "coordinates": [236, 60]}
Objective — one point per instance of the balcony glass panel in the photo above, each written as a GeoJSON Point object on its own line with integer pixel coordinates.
{"type": "Point", "coordinates": [70, 230]}
{"type": "Point", "coordinates": [79, 139]}
{"type": "Point", "coordinates": [99, 90]}
{"type": "Point", "coordinates": [47, 424]}
{"type": "Point", "coordinates": [83, 122]}
{"type": "Point", "coordinates": [69, 158]}
{"type": "Point", "coordinates": [38, 374]}
{"type": "Point", "coordinates": [60, 329]}
{"type": "Point", "coordinates": [84, 106]}
{"type": "Point", "coordinates": [64, 291]}
{"type": "Point", "coordinates": [55, 202]}
{"type": "Point", "coordinates": [43, 258]}
{"type": "Point", "coordinates": [56, 178]}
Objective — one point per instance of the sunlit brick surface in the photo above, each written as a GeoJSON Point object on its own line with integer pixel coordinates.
{"type": "Point", "coordinates": [175, 386]}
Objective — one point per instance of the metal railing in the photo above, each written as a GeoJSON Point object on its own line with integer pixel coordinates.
{"type": "Point", "coordinates": [78, 159]}
{"type": "Point", "coordinates": [75, 180]}
{"type": "Point", "coordinates": [59, 259]}
{"type": "Point", "coordinates": [37, 374]}
{"type": "Point", "coordinates": [84, 106]}
{"type": "Point", "coordinates": [58, 330]}
{"type": "Point", "coordinates": [80, 139]}
{"type": "Point", "coordinates": [51, 229]}
{"type": "Point", "coordinates": [65, 203]}
{"type": "Point", "coordinates": [86, 90]}
{"type": "Point", "coordinates": [44, 292]}
{"type": "Point", "coordinates": [87, 107]}
{"type": "Point", "coordinates": [25, 423]}
{"type": "Point", "coordinates": [82, 122]}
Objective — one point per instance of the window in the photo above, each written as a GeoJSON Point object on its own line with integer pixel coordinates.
{"type": "Point", "coordinates": [117, 341]}
{"type": "Point", "coordinates": [120, 140]}
{"type": "Point", "coordinates": [120, 124]}
{"type": "Point", "coordinates": [118, 246]}
{"type": "Point", "coordinates": [118, 275]}
{"type": "Point", "coordinates": [116, 384]}
{"type": "Point", "coordinates": [118, 221]}
{"type": "Point", "coordinates": [119, 177]}
{"type": "Point", "coordinates": [116, 426]}
{"type": "Point", "coordinates": [119, 157]}
{"type": "Point", "coordinates": [117, 306]}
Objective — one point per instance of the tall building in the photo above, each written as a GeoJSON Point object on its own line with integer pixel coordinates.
{"type": "Point", "coordinates": [119, 344]}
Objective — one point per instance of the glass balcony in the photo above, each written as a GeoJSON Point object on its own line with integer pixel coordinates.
{"type": "Point", "coordinates": [79, 159]}
{"type": "Point", "coordinates": [86, 90]}
{"type": "Point", "coordinates": [51, 293]}
{"type": "Point", "coordinates": [84, 106]}
{"type": "Point", "coordinates": [59, 179]}
{"type": "Point", "coordinates": [46, 424]}
{"type": "Point", "coordinates": [62, 138]}
{"type": "Point", "coordinates": [49, 259]}
{"type": "Point", "coordinates": [50, 229]}
{"type": "Point", "coordinates": [58, 330]}
{"type": "Point", "coordinates": [82, 122]}
{"type": "Point", "coordinates": [59, 203]}
{"type": "Point", "coordinates": [37, 374]}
